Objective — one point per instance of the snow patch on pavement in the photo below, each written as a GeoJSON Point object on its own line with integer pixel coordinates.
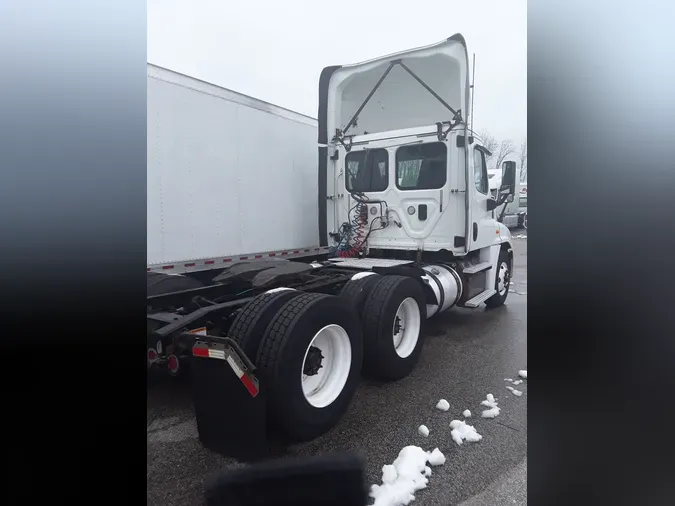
{"type": "Point", "coordinates": [443, 405]}
{"type": "Point", "coordinates": [423, 430]}
{"type": "Point", "coordinates": [436, 458]}
{"type": "Point", "coordinates": [508, 379]}
{"type": "Point", "coordinates": [515, 392]}
{"type": "Point", "coordinates": [518, 382]}
{"type": "Point", "coordinates": [466, 413]}
{"type": "Point", "coordinates": [491, 403]}
{"type": "Point", "coordinates": [408, 474]}
{"type": "Point", "coordinates": [463, 432]}
{"type": "Point", "coordinates": [522, 374]}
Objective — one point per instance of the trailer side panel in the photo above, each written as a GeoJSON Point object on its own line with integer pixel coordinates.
{"type": "Point", "coordinates": [227, 174]}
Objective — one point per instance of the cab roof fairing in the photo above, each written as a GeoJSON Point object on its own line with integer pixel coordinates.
{"type": "Point", "coordinates": [400, 101]}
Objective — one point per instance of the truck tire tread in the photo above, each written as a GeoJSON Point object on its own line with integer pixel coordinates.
{"type": "Point", "coordinates": [380, 358]}
{"type": "Point", "coordinates": [280, 358]}
{"type": "Point", "coordinates": [250, 324]}
{"type": "Point", "coordinates": [356, 292]}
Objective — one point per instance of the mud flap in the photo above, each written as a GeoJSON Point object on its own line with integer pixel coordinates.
{"type": "Point", "coordinates": [229, 401]}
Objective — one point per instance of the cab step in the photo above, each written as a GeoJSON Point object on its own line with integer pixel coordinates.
{"type": "Point", "coordinates": [475, 269]}
{"type": "Point", "coordinates": [480, 298]}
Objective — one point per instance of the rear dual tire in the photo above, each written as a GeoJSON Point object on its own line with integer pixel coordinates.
{"type": "Point", "coordinates": [309, 354]}
{"type": "Point", "coordinates": [310, 348]}
{"type": "Point", "coordinates": [394, 317]}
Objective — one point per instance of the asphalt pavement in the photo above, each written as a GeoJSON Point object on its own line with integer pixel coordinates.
{"type": "Point", "coordinates": [467, 355]}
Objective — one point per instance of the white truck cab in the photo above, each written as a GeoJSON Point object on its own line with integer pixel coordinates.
{"type": "Point", "coordinates": [405, 178]}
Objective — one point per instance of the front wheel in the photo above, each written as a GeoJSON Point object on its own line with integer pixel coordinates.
{"type": "Point", "coordinates": [525, 221]}
{"type": "Point", "coordinates": [502, 281]}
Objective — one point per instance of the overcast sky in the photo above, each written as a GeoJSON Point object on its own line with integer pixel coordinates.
{"type": "Point", "coordinates": [275, 50]}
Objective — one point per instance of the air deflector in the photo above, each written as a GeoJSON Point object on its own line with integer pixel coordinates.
{"type": "Point", "coordinates": [401, 100]}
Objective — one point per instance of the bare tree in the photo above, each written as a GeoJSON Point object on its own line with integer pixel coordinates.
{"type": "Point", "coordinates": [489, 143]}
{"type": "Point", "coordinates": [505, 149]}
{"type": "Point", "coordinates": [523, 161]}
{"type": "Point", "coordinates": [500, 150]}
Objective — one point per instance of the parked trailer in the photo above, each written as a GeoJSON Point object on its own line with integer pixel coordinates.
{"type": "Point", "coordinates": [230, 177]}
{"type": "Point", "coordinates": [405, 230]}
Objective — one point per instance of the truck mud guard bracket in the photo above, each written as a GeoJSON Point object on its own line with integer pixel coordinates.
{"type": "Point", "coordinates": [230, 402]}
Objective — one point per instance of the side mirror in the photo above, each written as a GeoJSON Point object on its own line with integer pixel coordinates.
{"type": "Point", "coordinates": [508, 177]}
{"type": "Point", "coordinates": [510, 198]}
{"type": "Point", "coordinates": [491, 204]}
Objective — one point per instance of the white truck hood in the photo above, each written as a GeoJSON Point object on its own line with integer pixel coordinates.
{"type": "Point", "coordinates": [400, 101]}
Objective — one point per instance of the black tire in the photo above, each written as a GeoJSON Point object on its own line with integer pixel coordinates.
{"type": "Point", "coordinates": [498, 299]}
{"type": "Point", "coordinates": [160, 283]}
{"type": "Point", "coordinates": [355, 292]}
{"type": "Point", "coordinates": [250, 324]}
{"type": "Point", "coordinates": [281, 356]}
{"type": "Point", "coordinates": [380, 358]}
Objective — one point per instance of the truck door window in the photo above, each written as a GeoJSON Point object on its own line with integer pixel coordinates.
{"type": "Point", "coordinates": [422, 166]}
{"type": "Point", "coordinates": [367, 170]}
{"type": "Point", "coordinates": [480, 175]}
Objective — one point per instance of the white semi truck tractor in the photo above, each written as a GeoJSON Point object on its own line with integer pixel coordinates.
{"type": "Point", "coordinates": [277, 334]}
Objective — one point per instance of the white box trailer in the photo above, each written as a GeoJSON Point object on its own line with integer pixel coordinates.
{"type": "Point", "coordinates": [230, 177]}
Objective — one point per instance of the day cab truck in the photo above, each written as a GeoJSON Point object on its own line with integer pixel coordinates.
{"type": "Point", "coordinates": [278, 277]}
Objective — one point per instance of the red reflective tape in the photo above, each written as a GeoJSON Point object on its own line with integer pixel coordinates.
{"type": "Point", "coordinates": [296, 252]}
{"type": "Point", "coordinates": [250, 386]}
{"type": "Point", "coordinates": [200, 352]}
{"type": "Point", "coordinates": [306, 250]}
{"type": "Point", "coordinates": [284, 253]}
{"type": "Point", "coordinates": [243, 258]}
{"type": "Point", "coordinates": [167, 267]}
{"type": "Point", "coordinates": [227, 260]}
{"type": "Point", "coordinates": [258, 256]}
{"type": "Point", "coordinates": [273, 254]}
{"type": "Point", "coordinates": [190, 265]}
{"type": "Point", "coordinates": [148, 269]}
{"type": "Point", "coordinates": [209, 262]}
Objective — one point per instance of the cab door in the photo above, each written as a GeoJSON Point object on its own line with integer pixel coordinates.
{"type": "Point", "coordinates": [420, 177]}
{"type": "Point", "coordinates": [483, 226]}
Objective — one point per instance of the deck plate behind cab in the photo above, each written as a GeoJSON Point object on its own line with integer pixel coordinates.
{"type": "Point", "coordinates": [369, 263]}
